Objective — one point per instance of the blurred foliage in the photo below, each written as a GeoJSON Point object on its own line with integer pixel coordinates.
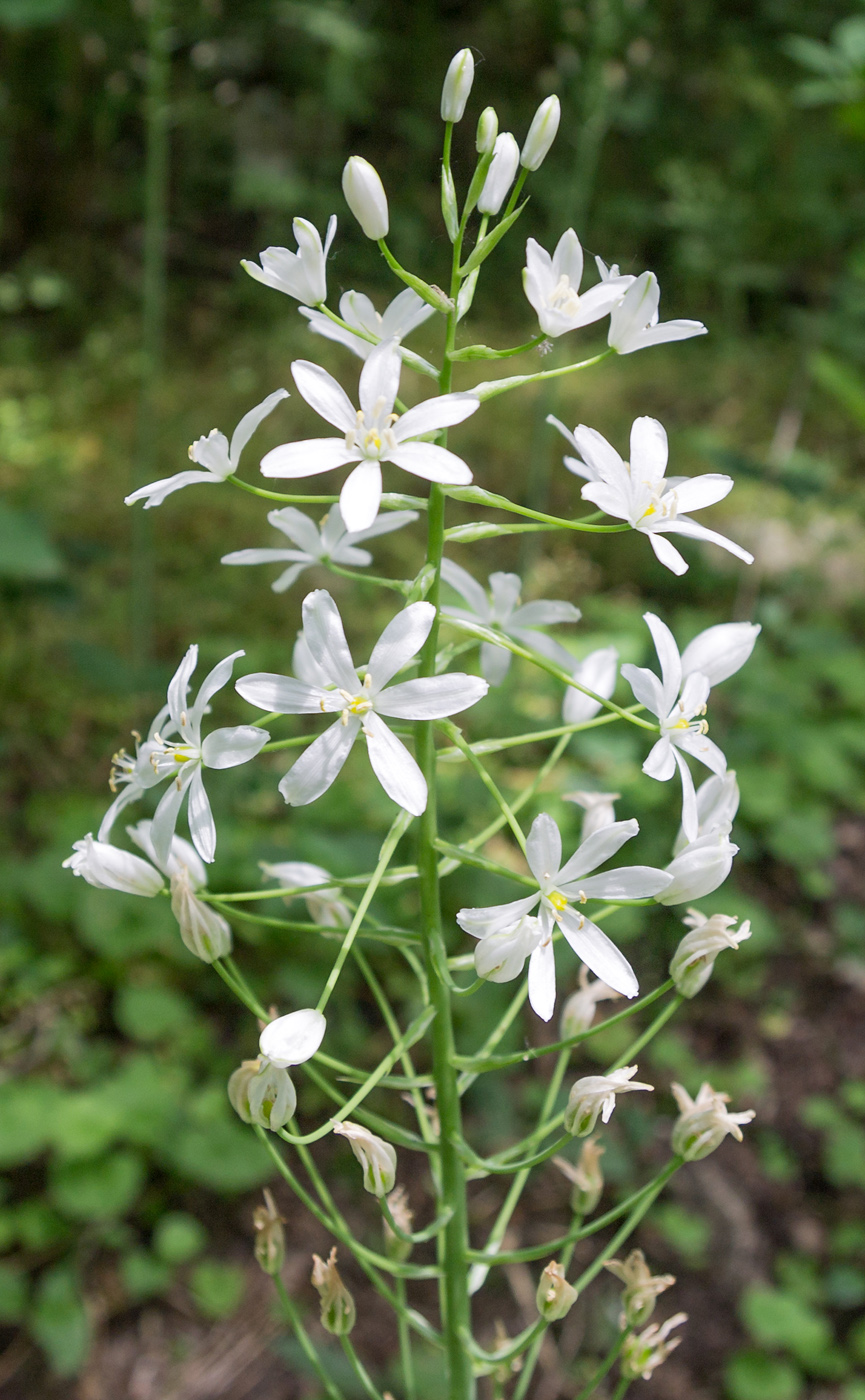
{"type": "Point", "coordinates": [720, 144]}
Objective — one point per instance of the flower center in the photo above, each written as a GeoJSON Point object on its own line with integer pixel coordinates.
{"type": "Point", "coordinates": [558, 900]}
{"type": "Point", "coordinates": [359, 704]}
{"type": "Point", "coordinates": [564, 296]}
{"type": "Point", "coordinates": [373, 435]}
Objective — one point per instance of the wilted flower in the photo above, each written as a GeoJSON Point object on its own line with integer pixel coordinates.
{"type": "Point", "coordinates": [403, 315]}
{"type": "Point", "coordinates": [376, 1156]}
{"type": "Point", "coordinates": [269, 1236]}
{"type": "Point", "coordinates": [325, 544]}
{"type": "Point", "coordinates": [326, 906]}
{"type": "Point", "coordinates": [634, 320]}
{"type": "Point", "coordinates": [501, 609]}
{"type": "Point", "coordinates": [457, 86]}
{"type": "Point", "coordinates": [695, 956]}
{"type": "Point", "coordinates": [598, 808]}
{"type": "Point", "coordinates": [699, 868]}
{"type": "Point", "coordinates": [596, 1094]}
{"type": "Point", "coordinates": [213, 452]}
{"type": "Point", "coordinates": [204, 931]}
{"type": "Point", "coordinates": [587, 1177]}
{"type": "Point", "coordinates": [555, 1296]}
{"type": "Point", "coordinates": [578, 1012]}
{"type": "Point", "coordinates": [598, 672]}
{"type": "Point", "coordinates": [365, 197]}
{"type": "Point", "coordinates": [500, 176]}
{"type": "Point", "coordinates": [109, 868]}
{"type": "Point", "coordinates": [704, 1122]}
{"type": "Point", "coordinates": [642, 1288]}
{"type": "Point", "coordinates": [262, 1093]}
{"type": "Point", "coordinates": [302, 275]}
{"type": "Point", "coordinates": [338, 1313]}
{"type": "Point", "coordinates": [394, 1246]}
{"type": "Point", "coordinates": [292, 1039]}
{"type": "Point", "coordinates": [542, 133]}
{"type": "Point", "coordinates": [644, 1352]}
{"type": "Point", "coordinates": [552, 286]}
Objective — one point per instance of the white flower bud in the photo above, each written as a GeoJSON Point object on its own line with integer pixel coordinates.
{"type": "Point", "coordinates": [500, 175]}
{"type": "Point", "coordinates": [292, 1039]}
{"type": "Point", "coordinates": [338, 1313]}
{"type": "Point", "coordinates": [586, 1177]}
{"type": "Point", "coordinates": [698, 869]}
{"type": "Point", "coordinates": [365, 196]}
{"type": "Point", "coordinates": [542, 133]}
{"type": "Point", "coordinates": [377, 1157]}
{"type": "Point", "coordinates": [578, 1012]}
{"type": "Point", "coordinates": [642, 1288]}
{"type": "Point", "coordinates": [457, 86]}
{"type": "Point", "coordinates": [555, 1296]}
{"type": "Point", "coordinates": [108, 868]}
{"type": "Point", "coordinates": [596, 1094]}
{"type": "Point", "coordinates": [598, 807]}
{"type": "Point", "coordinates": [488, 130]}
{"type": "Point", "coordinates": [694, 959]}
{"type": "Point", "coordinates": [204, 931]}
{"type": "Point", "coordinates": [644, 1352]}
{"type": "Point", "coordinates": [704, 1122]}
{"type": "Point", "coordinates": [269, 1236]}
{"type": "Point", "coordinates": [262, 1093]}
{"type": "Point", "coordinates": [720, 651]}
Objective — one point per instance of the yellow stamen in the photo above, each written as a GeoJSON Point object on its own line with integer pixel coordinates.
{"type": "Point", "coordinates": [558, 900]}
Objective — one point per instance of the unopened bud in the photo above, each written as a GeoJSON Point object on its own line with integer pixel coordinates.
{"type": "Point", "coordinates": [542, 133]}
{"type": "Point", "coordinates": [269, 1236]}
{"type": "Point", "coordinates": [500, 175]}
{"type": "Point", "coordinates": [457, 86]}
{"type": "Point", "coordinates": [555, 1296]}
{"type": "Point", "coordinates": [695, 956]}
{"type": "Point", "coordinates": [586, 1176]}
{"type": "Point", "coordinates": [598, 807]}
{"type": "Point", "coordinates": [488, 130]}
{"type": "Point", "coordinates": [644, 1352]}
{"type": "Point", "coordinates": [394, 1247]}
{"type": "Point", "coordinates": [596, 1094]}
{"type": "Point", "coordinates": [263, 1094]}
{"type": "Point", "coordinates": [376, 1156]}
{"type": "Point", "coordinates": [704, 1122]}
{"type": "Point", "coordinates": [108, 868]}
{"type": "Point", "coordinates": [642, 1288]}
{"type": "Point", "coordinates": [204, 931]}
{"type": "Point", "coordinates": [365, 196]}
{"type": "Point", "coordinates": [338, 1313]}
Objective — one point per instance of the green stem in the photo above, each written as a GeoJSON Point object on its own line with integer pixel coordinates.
{"type": "Point", "coordinates": [303, 1338]}
{"type": "Point", "coordinates": [405, 1350]}
{"type": "Point", "coordinates": [492, 387]}
{"type": "Point", "coordinates": [278, 495]}
{"type": "Point", "coordinates": [359, 1369]}
{"type": "Point", "coordinates": [628, 1227]}
{"type": "Point", "coordinates": [622, 1388]}
{"type": "Point", "coordinates": [395, 585]}
{"type": "Point", "coordinates": [606, 1365]}
{"type": "Point", "coordinates": [515, 741]}
{"type": "Point", "coordinates": [455, 734]}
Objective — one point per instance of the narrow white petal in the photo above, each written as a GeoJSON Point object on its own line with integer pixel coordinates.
{"type": "Point", "coordinates": [599, 455]}
{"type": "Point", "coordinates": [494, 918]}
{"type": "Point", "coordinates": [402, 639]}
{"type": "Point", "coordinates": [468, 588]}
{"type": "Point", "coordinates": [597, 848]}
{"type": "Point", "coordinates": [202, 827]}
{"type": "Point", "coordinates": [266, 556]}
{"type": "Point", "coordinates": [324, 394]}
{"type": "Point", "coordinates": [542, 981]}
{"type": "Point", "coordinates": [178, 686]}
{"type": "Point", "coordinates": [360, 497]}
{"type": "Point", "coordinates": [666, 553]}
{"type": "Point", "coordinates": [282, 694]}
{"type": "Point", "coordinates": [383, 525]}
{"type": "Point", "coordinates": [647, 689]}
{"type": "Point", "coordinates": [320, 765]}
{"type": "Point", "coordinates": [431, 463]}
{"type": "Point", "coordinates": [701, 747]}
{"type": "Point", "coordinates": [213, 682]}
{"type": "Point", "coordinates": [546, 612]}
{"type": "Point", "coordinates": [435, 413]}
{"type": "Point", "coordinates": [226, 748]}
{"type": "Point", "coordinates": [299, 528]}
{"type": "Point", "coordinates": [433, 697]}
{"type": "Point", "coordinates": [308, 458]}
{"type": "Point", "coordinates": [394, 767]}
{"type": "Point", "coordinates": [690, 528]}
{"type": "Point", "coordinates": [598, 672]}
{"type": "Point", "coordinates": [325, 637]}
{"type": "Point", "coordinates": [155, 493]}
{"type": "Point", "coordinates": [697, 492]}
{"type": "Point", "coordinates": [544, 850]}
{"type": "Point", "coordinates": [690, 820]}
{"type": "Point", "coordinates": [628, 882]}
{"type": "Point", "coordinates": [495, 663]}
{"type": "Point", "coordinates": [661, 762]}
{"type": "Point", "coordinates": [668, 655]}
{"type": "Point", "coordinates": [661, 334]}
{"type": "Point", "coordinates": [379, 381]}
{"type": "Point", "coordinates": [599, 954]}
{"type": "Point", "coordinates": [166, 814]}
{"type": "Point", "coordinates": [250, 421]}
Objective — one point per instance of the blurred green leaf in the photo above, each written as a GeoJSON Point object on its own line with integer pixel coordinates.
{"type": "Point", "coordinates": [751, 1375]}
{"type": "Point", "coordinates": [221, 1155]}
{"type": "Point", "coordinates": [143, 1275]}
{"type": "Point", "coordinates": [217, 1288]}
{"type": "Point", "coordinates": [152, 1013]}
{"type": "Point", "coordinates": [98, 1189]}
{"type": "Point", "coordinates": [59, 1321]}
{"type": "Point", "coordinates": [26, 1108]}
{"type": "Point", "coordinates": [779, 1319]}
{"type": "Point", "coordinates": [26, 553]}
{"type": "Point", "coordinates": [13, 1293]}
{"type": "Point", "coordinates": [178, 1237]}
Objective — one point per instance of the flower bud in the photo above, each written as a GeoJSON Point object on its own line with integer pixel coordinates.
{"type": "Point", "coordinates": [644, 1352]}
{"type": "Point", "coordinates": [293, 1039]}
{"type": "Point", "coordinates": [108, 868]}
{"type": "Point", "coordinates": [704, 1122]}
{"type": "Point", "coordinates": [578, 1012]}
{"type": "Point", "coordinates": [457, 86]}
{"type": "Point", "coordinates": [338, 1312]}
{"type": "Point", "coordinates": [488, 130]}
{"type": "Point", "coordinates": [596, 1094]}
{"type": "Point", "coordinates": [365, 196]}
{"type": "Point", "coordinates": [269, 1236]}
{"type": "Point", "coordinates": [598, 807]}
{"type": "Point", "coordinates": [500, 175]}
{"type": "Point", "coordinates": [542, 133]}
{"type": "Point", "coordinates": [698, 869]}
{"type": "Point", "coordinates": [394, 1247]}
{"type": "Point", "coordinates": [555, 1296]}
{"type": "Point", "coordinates": [377, 1157]}
{"type": "Point", "coordinates": [587, 1177]}
{"type": "Point", "coordinates": [204, 931]}
{"type": "Point", "coordinates": [642, 1288]}
{"type": "Point", "coordinates": [695, 956]}
{"type": "Point", "coordinates": [262, 1093]}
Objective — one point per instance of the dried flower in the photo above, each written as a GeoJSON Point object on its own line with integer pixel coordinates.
{"type": "Point", "coordinates": [642, 1288]}
{"type": "Point", "coordinates": [338, 1313]}
{"type": "Point", "coordinates": [695, 956]}
{"type": "Point", "coordinates": [397, 1203]}
{"type": "Point", "coordinates": [644, 1352]}
{"type": "Point", "coordinates": [587, 1177]}
{"type": "Point", "coordinates": [596, 1094]}
{"type": "Point", "coordinates": [704, 1122]}
{"type": "Point", "coordinates": [269, 1236]}
{"type": "Point", "coordinates": [555, 1296]}
{"type": "Point", "coordinates": [376, 1156]}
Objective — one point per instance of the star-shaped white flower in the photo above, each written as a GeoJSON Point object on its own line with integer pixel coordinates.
{"type": "Point", "coordinates": [213, 452]}
{"type": "Point", "coordinates": [634, 319]}
{"type": "Point", "coordinates": [680, 696]}
{"type": "Point", "coordinates": [302, 275]}
{"type": "Point", "coordinates": [637, 491]}
{"type": "Point", "coordinates": [326, 543]}
{"type": "Point", "coordinates": [372, 434]}
{"type": "Point", "coordinates": [405, 313]}
{"type": "Point", "coordinates": [558, 887]}
{"type": "Point", "coordinates": [176, 749]}
{"type": "Point", "coordinates": [552, 285]}
{"type": "Point", "coordinates": [502, 610]}
{"type": "Point", "coordinates": [360, 705]}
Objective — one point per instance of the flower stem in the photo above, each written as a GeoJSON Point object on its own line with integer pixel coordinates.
{"type": "Point", "coordinates": [606, 1365]}
{"type": "Point", "coordinates": [303, 1338]}
{"type": "Point", "coordinates": [359, 1369]}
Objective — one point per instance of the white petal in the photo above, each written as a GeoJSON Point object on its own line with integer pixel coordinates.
{"type": "Point", "coordinates": [690, 821]}
{"type": "Point", "coordinates": [324, 394]}
{"type": "Point", "coordinates": [649, 451]}
{"type": "Point", "coordinates": [308, 458]}
{"type": "Point", "coordinates": [666, 553]}
{"type": "Point", "coordinates": [697, 492]}
{"type": "Point", "coordinates": [647, 689]}
{"type": "Point", "coordinates": [379, 381]}
{"type": "Point", "coordinates": [668, 655]}
{"type": "Point", "coordinates": [542, 981]}
{"type": "Point", "coordinates": [266, 556]}
{"type": "Point", "coordinates": [320, 765]}
{"type": "Point", "coordinates": [598, 672]}
{"type": "Point", "coordinates": [213, 682]}
{"type": "Point", "coordinates": [299, 528]}
{"type": "Point", "coordinates": [599, 954]}
{"type": "Point", "coordinates": [406, 312]}
{"type": "Point", "coordinates": [495, 663]}
{"type": "Point", "coordinates": [402, 639]}
{"type": "Point", "coordinates": [250, 421]}
{"type": "Point", "coordinates": [565, 432]}
{"type": "Point", "coordinates": [661, 762]}
{"type": "Point", "coordinates": [202, 827]}
{"type": "Point", "coordinates": [701, 747]}
{"type": "Point", "coordinates": [431, 463]}
{"type": "Point", "coordinates": [322, 325]}
{"type": "Point", "coordinates": [690, 528]}
{"type": "Point", "coordinates": [178, 686]}
{"type": "Point", "coordinates": [505, 590]}
{"type": "Point", "coordinates": [288, 577]}
{"type": "Point", "coordinates": [546, 612]}
{"type": "Point", "coordinates": [166, 814]}
{"type": "Point", "coordinates": [662, 335]}
{"type": "Point", "coordinates": [720, 651]}
{"type": "Point", "coordinates": [360, 496]}
{"type": "Point", "coordinates": [467, 587]}
{"type": "Point", "coordinates": [433, 697]}
{"type": "Point", "coordinates": [435, 413]}
{"type": "Point", "coordinates": [599, 455]}
{"type": "Point", "coordinates": [597, 848]}
{"type": "Point", "coordinates": [544, 850]}
{"type": "Point", "coordinates": [325, 637]}
{"type": "Point", "coordinates": [494, 918]}
{"type": "Point", "coordinates": [634, 312]}
{"type": "Point", "coordinates": [282, 694]}
{"type": "Point", "coordinates": [226, 748]}
{"type": "Point", "coordinates": [384, 524]}
{"type": "Point", "coordinates": [628, 882]}
{"type": "Point", "coordinates": [394, 767]}
{"type": "Point", "coordinates": [568, 259]}
{"type": "Point", "coordinates": [155, 493]}
{"type": "Point", "coordinates": [293, 1039]}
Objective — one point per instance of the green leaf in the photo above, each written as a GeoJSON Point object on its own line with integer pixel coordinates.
{"type": "Point", "coordinates": [222, 1155]}
{"type": "Point", "coordinates": [482, 250]}
{"type": "Point", "coordinates": [143, 1275]}
{"type": "Point", "coordinates": [26, 1109]}
{"type": "Point", "coordinates": [152, 1013]}
{"type": "Point", "coordinates": [751, 1375]}
{"type": "Point", "coordinates": [178, 1237]}
{"type": "Point", "coordinates": [99, 1189]}
{"type": "Point", "coordinates": [780, 1320]}
{"type": "Point", "coordinates": [59, 1322]}
{"type": "Point", "coordinates": [85, 1124]}
{"type": "Point", "coordinates": [217, 1288]}
{"type": "Point", "coordinates": [13, 1293]}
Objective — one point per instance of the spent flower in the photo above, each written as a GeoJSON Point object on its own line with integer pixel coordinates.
{"type": "Point", "coordinates": [704, 1122]}
{"type": "Point", "coordinates": [586, 1177]}
{"type": "Point", "coordinates": [555, 1296]}
{"type": "Point", "coordinates": [108, 867]}
{"type": "Point", "coordinates": [262, 1093]}
{"type": "Point", "coordinates": [643, 1352]}
{"type": "Point", "coordinates": [642, 1288]}
{"type": "Point", "coordinates": [694, 959]}
{"type": "Point", "coordinates": [269, 1236]}
{"type": "Point", "coordinates": [204, 931]}
{"type": "Point", "coordinates": [595, 1094]}
{"type": "Point", "coordinates": [376, 1156]}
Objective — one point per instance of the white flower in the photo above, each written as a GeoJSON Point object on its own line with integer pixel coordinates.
{"type": "Point", "coordinates": [325, 905]}
{"type": "Point", "coordinates": [457, 86]}
{"type": "Point", "coordinates": [500, 176]}
{"type": "Point", "coordinates": [717, 805]}
{"type": "Point", "coordinates": [634, 321]}
{"type": "Point", "coordinates": [578, 1012]}
{"type": "Point", "coordinates": [181, 854]}
{"type": "Point", "coordinates": [699, 868]}
{"type": "Point", "coordinates": [501, 609]}
{"type": "Point", "coordinates": [405, 313]}
{"type": "Point", "coordinates": [262, 1093]}
{"type": "Point", "coordinates": [599, 672]}
{"type": "Point", "coordinates": [638, 492]}
{"type": "Point", "coordinates": [643, 1352]}
{"type": "Point", "coordinates": [376, 1156]}
{"type": "Point", "coordinates": [598, 808]}
{"type": "Point", "coordinates": [175, 748]}
{"type": "Point", "coordinates": [558, 885]}
{"type": "Point", "coordinates": [109, 868]}
{"type": "Point", "coordinates": [704, 1122]}
{"type": "Point", "coordinates": [695, 956]}
{"type": "Point", "coordinates": [326, 543]}
{"type": "Point", "coordinates": [552, 285]}
{"type": "Point", "coordinates": [365, 197]}
{"type": "Point", "coordinates": [213, 452]}
{"type": "Point", "coordinates": [596, 1094]}
{"type": "Point", "coordinates": [720, 651]}
{"type": "Point", "coordinates": [360, 706]}
{"type": "Point", "coordinates": [302, 275]}
{"type": "Point", "coordinates": [292, 1039]}
{"type": "Point", "coordinates": [681, 732]}
{"type": "Point", "coordinates": [204, 931]}
{"type": "Point", "coordinates": [542, 133]}
{"type": "Point", "coordinates": [373, 434]}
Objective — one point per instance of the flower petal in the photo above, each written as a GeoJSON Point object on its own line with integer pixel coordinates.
{"type": "Point", "coordinates": [178, 686]}
{"type": "Point", "coordinates": [325, 637]}
{"type": "Point", "coordinates": [441, 412]}
{"type": "Point", "coordinates": [597, 848]}
{"type": "Point", "coordinates": [202, 827]}
{"type": "Point", "coordinates": [379, 381]}
{"type": "Point", "coordinates": [666, 553]}
{"type": "Point", "coordinates": [628, 882]}
{"type": "Point", "coordinates": [226, 748]}
{"type": "Point", "coordinates": [668, 655]}
{"type": "Point", "coordinates": [546, 612]}
{"type": "Point", "coordinates": [599, 954]}
{"type": "Point", "coordinates": [661, 762]}
{"type": "Point", "coordinates": [299, 528]}
{"type": "Point", "coordinates": [320, 765]}
{"type": "Point", "coordinates": [394, 766]}
{"type": "Point", "coordinates": [600, 456]}
{"type": "Point", "coordinates": [431, 463]}
{"type": "Point", "coordinates": [433, 697]}
{"type": "Point", "coordinates": [155, 493]}
{"type": "Point", "coordinates": [544, 850]}
{"type": "Point", "coordinates": [360, 496]}
{"type": "Point", "coordinates": [250, 421]}
{"type": "Point", "coordinates": [690, 528]}
{"type": "Point", "coordinates": [697, 492]}
{"type": "Point", "coordinates": [598, 672]}
{"type": "Point", "coordinates": [324, 394]}
{"type": "Point", "coordinates": [293, 1039]}
{"type": "Point", "coordinates": [213, 682]}
{"type": "Point", "coordinates": [495, 663]}
{"type": "Point", "coordinates": [701, 747]}
{"type": "Point", "coordinates": [720, 651]}
{"type": "Point", "coordinates": [468, 588]}
{"type": "Point", "coordinates": [282, 694]}
{"type": "Point", "coordinates": [267, 556]}
{"type": "Point", "coordinates": [690, 820]}
{"type": "Point", "coordinates": [310, 457]}
{"type": "Point", "coordinates": [494, 918]}
{"type": "Point", "coordinates": [649, 450]}
{"type": "Point", "coordinates": [166, 814]}
{"type": "Point", "coordinates": [542, 981]}
{"type": "Point", "coordinates": [647, 689]}
{"type": "Point", "coordinates": [402, 639]}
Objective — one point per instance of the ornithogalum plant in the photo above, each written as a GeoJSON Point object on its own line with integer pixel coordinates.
{"type": "Point", "coordinates": [400, 705]}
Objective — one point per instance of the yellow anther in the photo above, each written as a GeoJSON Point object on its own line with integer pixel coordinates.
{"type": "Point", "coordinates": [582, 897]}
{"type": "Point", "coordinates": [558, 900]}
{"type": "Point", "coordinates": [359, 705]}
